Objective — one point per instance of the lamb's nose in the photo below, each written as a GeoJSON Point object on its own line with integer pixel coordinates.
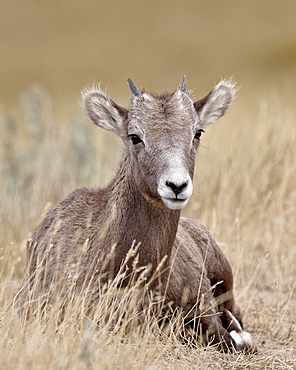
{"type": "Point", "coordinates": [177, 189]}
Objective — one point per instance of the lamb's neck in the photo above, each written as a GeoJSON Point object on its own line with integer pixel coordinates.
{"type": "Point", "coordinates": [139, 219]}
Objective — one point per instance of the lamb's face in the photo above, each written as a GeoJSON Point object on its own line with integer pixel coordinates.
{"type": "Point", "coordinates": [163, 136]}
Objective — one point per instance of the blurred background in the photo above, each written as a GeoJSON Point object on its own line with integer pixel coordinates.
{"type": "Point", "coordinates": [63, 45]}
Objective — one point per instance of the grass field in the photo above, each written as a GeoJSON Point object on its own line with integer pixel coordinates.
{"type": "Point", "coordinates": [244, 193]}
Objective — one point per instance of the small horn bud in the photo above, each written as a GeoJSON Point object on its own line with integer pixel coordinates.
{"type": "Point", "coordinates": [183, 86]}
{"type": "Point", "coordinates": [134, 88]}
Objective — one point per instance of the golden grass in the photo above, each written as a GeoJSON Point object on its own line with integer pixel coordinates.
{"type": "Point", "coordinates": [244, 193]}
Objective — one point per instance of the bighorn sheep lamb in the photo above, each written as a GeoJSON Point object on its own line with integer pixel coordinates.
{"type": "Point", "coordinates": [143, 204]}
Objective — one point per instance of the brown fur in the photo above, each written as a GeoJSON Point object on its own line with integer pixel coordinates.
{"type": "Point", "coordinates": [80, 232]}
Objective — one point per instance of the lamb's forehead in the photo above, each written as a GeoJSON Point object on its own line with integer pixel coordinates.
{"type": "Point", "coordinates": [167, 105]}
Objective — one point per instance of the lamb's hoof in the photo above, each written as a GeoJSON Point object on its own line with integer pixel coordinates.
{"type": "Point", "coordinates": [243, 342]}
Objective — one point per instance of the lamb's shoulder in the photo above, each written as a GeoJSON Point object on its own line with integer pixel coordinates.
{"type": "Point", "coordinates": [196, 242]}
{"type": "Point", "coordinates": [196, 254]}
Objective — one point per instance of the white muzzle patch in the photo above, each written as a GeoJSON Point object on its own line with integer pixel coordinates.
{"type": "Point", "coordinates": [175, 190]}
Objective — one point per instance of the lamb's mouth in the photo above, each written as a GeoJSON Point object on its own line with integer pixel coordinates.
{"type": "Point", "coordinates": [175, 203]}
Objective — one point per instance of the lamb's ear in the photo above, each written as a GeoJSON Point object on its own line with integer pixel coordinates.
{"type": "Point", "coordinates": [105, 113]}
{"type": "Point", "coordinates": [215, 104]}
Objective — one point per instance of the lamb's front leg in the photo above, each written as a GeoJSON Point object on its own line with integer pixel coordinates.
{"type": "Point", "coordinates": [243, 340]}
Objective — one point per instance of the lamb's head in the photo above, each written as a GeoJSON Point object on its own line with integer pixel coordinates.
{"type": "Point", "coordinates": [162, 133]}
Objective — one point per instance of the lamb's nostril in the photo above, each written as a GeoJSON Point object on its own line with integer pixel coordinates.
{"type": "Point", "coordinates": [177, 189]}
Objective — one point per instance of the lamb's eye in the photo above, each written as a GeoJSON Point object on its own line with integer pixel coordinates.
{"type": "Point", "coordinates": [198, 134]}
{"type": "Point", "coordinates": [135, 139]}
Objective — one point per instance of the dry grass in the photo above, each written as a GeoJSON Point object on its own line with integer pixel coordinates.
{"type": "Point", "coordinates": [244, 193]}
